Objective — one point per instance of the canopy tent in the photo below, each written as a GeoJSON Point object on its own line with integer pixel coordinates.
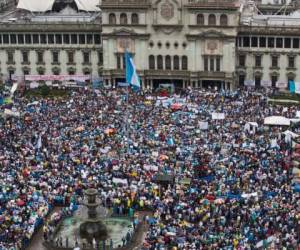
{"type": "Point", "coordinates": [36, 5]}
{"type": "Point", "coordinates": [46, 5]}
{"type": "Point", "coordinates": [292, 134]}
{"type": "Point", "coordinates": [277, 120]}
{"type": "Point", "coordinates": [88, 5]}
{"type": "Point", "coordinates": [251, 126]}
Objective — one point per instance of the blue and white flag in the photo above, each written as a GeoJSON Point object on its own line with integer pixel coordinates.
{"type": "Point", "coordinates": [170, 141]}
{"type": "Point", "coordinates": [39, 142]}
{"type": "Point", "coordinates": [292, 86]}
{"type": "Point", "coordinates": [131, 74]}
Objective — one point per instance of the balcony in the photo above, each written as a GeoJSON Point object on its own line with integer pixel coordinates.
{"type": "Point", "coordinates": [215, 4]}
{"type": "Point", "coordinates": [125, 4]}
{"type": "Point", "coordinates": [212, 74]}
{"type": "Point", "coordinates": [169, 74]}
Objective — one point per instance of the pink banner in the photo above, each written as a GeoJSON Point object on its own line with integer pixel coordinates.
{"type": "Point", "coordinates": [79, 78]}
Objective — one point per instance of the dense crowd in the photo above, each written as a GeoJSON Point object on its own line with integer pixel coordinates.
{"type": "Point", "coordinates": [233, 187]}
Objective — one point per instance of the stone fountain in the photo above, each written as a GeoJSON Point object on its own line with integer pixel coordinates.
{"type": "Point", "coordinates": [92, 228]}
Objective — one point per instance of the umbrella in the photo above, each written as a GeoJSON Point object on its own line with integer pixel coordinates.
{"type": "Point", "coordinates": [114, 162]}
{"type": "Point", "coordinates": [109, 131]}
{"type": "Point", "coordinates": [171, 234]}
{"type": "Point", "coordinates": [163, 157]}
{"type": "Point", "coordinates": [205, 201]}
{"type": "Point", "coordinates": [296, 171]}
{"type": "Point", "coordinates": [79, 129]}
{"type": "Point", "coordinates": [297, 188]}
{"type": "Point", "coordinates": [176, 106]}
{"type": "Point", "coordinates": [20, 203]}
{"type": "Point", "coordinates": [219, 201]}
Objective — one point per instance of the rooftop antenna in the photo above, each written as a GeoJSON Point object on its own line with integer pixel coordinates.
{"type": "Point", "coordinates": [282, 7]}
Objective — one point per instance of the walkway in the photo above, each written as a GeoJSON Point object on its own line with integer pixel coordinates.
{"type": "Point", "coordinates": [38, 239]}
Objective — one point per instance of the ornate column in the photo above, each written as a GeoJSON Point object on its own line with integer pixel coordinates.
{"type": "Point", "coordinates": [151, 84]}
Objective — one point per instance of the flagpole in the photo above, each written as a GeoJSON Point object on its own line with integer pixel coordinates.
{"type": "Point", "coordinates": [131, 79]}
{"type": "Point", "coordinates": [127, 117]}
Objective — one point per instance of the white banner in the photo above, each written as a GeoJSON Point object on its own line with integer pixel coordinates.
{"type": "Point", "coordinates": [34, 85]}
{"type": "Point", "coordinates": [266, 83]}
{"type": "Point", "coordinates": [218, 116]}
{"type": "Point", "coordinates": [151, 168]}
{"type": "Point", "coordinates": [281, 85]}
{"type": "Point", "coordinates": [297, 87]}
{"type": "Point", "coordinates": [203, 125]}
{"type": "Point", "coordinates": [14, 88]}
{"type": "Point", "coordinates": [12, 113]}
{"type": "Point", "coordinates": [120, 181]}
{"type": "Point", "coordinates": [249, 83]}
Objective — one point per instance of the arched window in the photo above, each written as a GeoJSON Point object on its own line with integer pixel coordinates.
{"type": "Point", "coordinates": [160, 63]}
{"type": "Point", "coordinates": [176, 62]}
{"type": "Point", "coordinates": [112, 18]}
{"type": "Point", "coordinates": [134, 18]}
{"type": "Point", "coordinates": [223, 20]}
{"type": "Point", "coordinates": [200, 19]}
{"type": "Point", "coordinates": [123, 18]}
{"type": "Point", "coordinates": [168, 62]}
{"type": "Point", "coordinates": [151, 62]}
{"type": "Point", "coordinates": [211, 19]}
{"type": "Point", "coordinates": [184, 63]}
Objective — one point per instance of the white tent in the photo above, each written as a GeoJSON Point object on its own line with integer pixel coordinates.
{"type": "Point", "coordinates": [36, 5]}
{"type": "Point", "coordinates": [88, 5]}
{"type": "Point", "coordinates": [251, 127]}
{"type": "Point", "coordinates": [45, 5]}
{"type": "Point", "coordinates": [277, 120]}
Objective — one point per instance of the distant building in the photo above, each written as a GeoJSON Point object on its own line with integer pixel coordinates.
{"type": "Point", "coordinates": [268, 47]}
{"type": "Point", "coordinates": [200, 43]}
{"type": "Point", "coordinates": [191, 43]}
{"type": "Point", "coordinates": [64, 39]}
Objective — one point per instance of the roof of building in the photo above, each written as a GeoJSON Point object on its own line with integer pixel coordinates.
{"type": "Point", "coordinates": [252, 16]}
{"type": "Point", "coordinates": [46, 5]}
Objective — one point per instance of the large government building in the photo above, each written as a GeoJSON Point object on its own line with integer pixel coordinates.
{"type": "Point", "coordinates": [191, 43]}
{"type": "Point", "coordinates": [49, 38]}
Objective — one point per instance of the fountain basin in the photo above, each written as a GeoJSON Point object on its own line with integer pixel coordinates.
{"type": "Point", "coordinates": [117, 228]}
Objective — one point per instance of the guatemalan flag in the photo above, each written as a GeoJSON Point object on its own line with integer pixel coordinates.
{"type": "Point", "coordinates": [131, 74]}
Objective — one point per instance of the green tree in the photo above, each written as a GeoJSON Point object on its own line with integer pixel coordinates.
{"type": "Point", "coordinates": [45, 90]}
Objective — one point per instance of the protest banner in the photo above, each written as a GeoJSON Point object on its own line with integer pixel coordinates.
{"type": "Point", "coordinates": [120, 181]}
{"type": "Point", "coordinates": [266, 83]}
{"type": "Point", "coordinates": [249, 83]}
{"type": "Point", "coordinates": [281, 84]}
{"type": "Point", "coordinates": [218, 116]}
{"type": "Point", "coordinates": [203, 125]}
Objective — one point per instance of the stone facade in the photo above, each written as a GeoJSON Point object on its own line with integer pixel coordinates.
{"type": "Point", "coordinates": [189, 42]}
{"type": "Point", "coordinates": [270, 56]}
{"type": "Point", "coordinates": [50, 48]}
